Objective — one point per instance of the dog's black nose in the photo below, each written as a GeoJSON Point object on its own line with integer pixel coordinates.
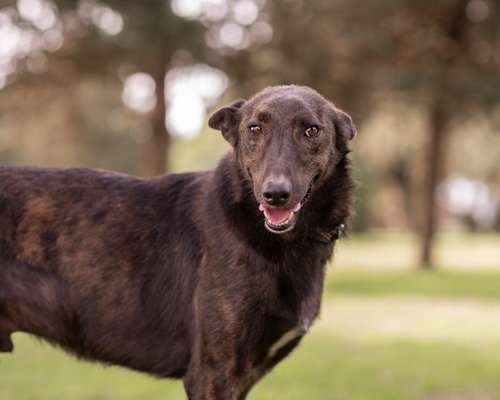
{"type": "Point", "coordinates": [277, 193]}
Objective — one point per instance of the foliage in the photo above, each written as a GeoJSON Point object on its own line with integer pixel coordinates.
{"type": "Point", "coordinates": [356, 51]}
{"type": "Point", "coordinates": [67, 125]}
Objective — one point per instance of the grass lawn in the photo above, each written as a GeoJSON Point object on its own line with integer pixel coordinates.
{"type": "Point", "coordinates": [326, 366]}
{"type": "Point", "coordinates": [483, 285]}
{"type": "Point", "coordinates": [388, 333]}
{"type": "Point", "coordinates": [398, 250]}
{"type": "Point", "coordinates": [329, 367]}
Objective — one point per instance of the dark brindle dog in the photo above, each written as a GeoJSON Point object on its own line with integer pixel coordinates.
{"type": "Point", "coordinates": [210, 277]}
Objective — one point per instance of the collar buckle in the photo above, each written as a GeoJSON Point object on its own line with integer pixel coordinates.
{"type": "Point", "coordinates": [329, 237]}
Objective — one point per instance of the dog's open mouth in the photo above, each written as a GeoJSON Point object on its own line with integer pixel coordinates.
{"type": "Point", "coordinates": [280, 220]}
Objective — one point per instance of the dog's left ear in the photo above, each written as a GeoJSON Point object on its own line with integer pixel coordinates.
{"type": "Point", "coordinates": [344, 125]}
{"type": "Point", "coordinates": [226, 120]}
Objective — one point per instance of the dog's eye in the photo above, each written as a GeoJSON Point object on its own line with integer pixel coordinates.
{"type": "Point", "coordinates": [256, 129]}
{"type": "Point", "coordinates": [312, 131]}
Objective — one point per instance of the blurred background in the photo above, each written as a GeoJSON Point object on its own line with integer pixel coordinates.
{"type": "Point", "coordinates": [127, 85]}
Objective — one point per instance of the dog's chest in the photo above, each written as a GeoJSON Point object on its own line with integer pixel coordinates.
{"type": "Point", "coordinates": [284, 333]}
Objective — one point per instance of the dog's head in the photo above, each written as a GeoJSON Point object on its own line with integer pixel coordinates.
{"type": "Point", "coordinates": [287, 140]}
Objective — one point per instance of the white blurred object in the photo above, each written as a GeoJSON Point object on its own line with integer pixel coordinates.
{"type": "Point", "coordinates": [469, 199]}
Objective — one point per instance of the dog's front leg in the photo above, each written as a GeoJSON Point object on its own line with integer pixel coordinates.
{"type": "Point", "coordinates": [208, 383]}
{"type": "Point", "coordinates": [6, 329]}
{"type": "Point", "coordinates": [218, 371]}
{"type": "Point", "coordinates": [221, 365]}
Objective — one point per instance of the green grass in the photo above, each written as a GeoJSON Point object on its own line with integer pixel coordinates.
{"type": "Point", "coordinates": [37, 371]}
{"type": "Point", "coordinates": [327, 367]}
{"type": "Point", "coordinates": [324, 367]}
{"type": "Point", "coordinates": [435, 284]}
{"type": "Point", "coordinates": [353, 352]}
{"type": "Point", "coordinates": [398, 250]}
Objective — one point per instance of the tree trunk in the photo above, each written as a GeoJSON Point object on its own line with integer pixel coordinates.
{"type": "Point", "coordinates": [432, 177]}
{"type": "Point", "coordinates": [439, 116]}
{"type": "Point", "coordinates": [155, 160]}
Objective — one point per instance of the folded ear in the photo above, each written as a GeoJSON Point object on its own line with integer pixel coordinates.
{"type": "Point", "coordinates": [344, 125]}
{"type": "Point", "coordinates": [227, 120]}
{"type": "Point", "coordinates": [344, 129]}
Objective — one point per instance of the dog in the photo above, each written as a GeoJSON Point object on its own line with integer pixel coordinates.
{"type": "Point", "coordinates": [211, 277]}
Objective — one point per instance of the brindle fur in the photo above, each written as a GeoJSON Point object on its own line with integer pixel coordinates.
{"type": "Point", "coordinates": [177, 275]}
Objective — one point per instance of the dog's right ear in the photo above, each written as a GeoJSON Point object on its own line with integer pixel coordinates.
{"type": "Point", "coordinates": [227, 120]}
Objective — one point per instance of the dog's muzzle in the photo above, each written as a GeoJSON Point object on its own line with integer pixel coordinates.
{"type": "Point", "coordinates": [279, 219]}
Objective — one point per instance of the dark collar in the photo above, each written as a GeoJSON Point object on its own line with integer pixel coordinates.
{"type": "Point", "coordinates": [328, 237]}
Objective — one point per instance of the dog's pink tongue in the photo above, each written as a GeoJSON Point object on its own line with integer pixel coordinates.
{"type": "Point", "coordinates": [278, 215]}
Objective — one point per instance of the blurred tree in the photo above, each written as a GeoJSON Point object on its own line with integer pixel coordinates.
{"type": "Point", "coordinates": [66, 124]}
{"type": "Point", "coordinates": [439, 55]}
{"type": "Point", "coordinates": [87, 38]}
{"type": "Point", "coordinates": [152, 34]}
